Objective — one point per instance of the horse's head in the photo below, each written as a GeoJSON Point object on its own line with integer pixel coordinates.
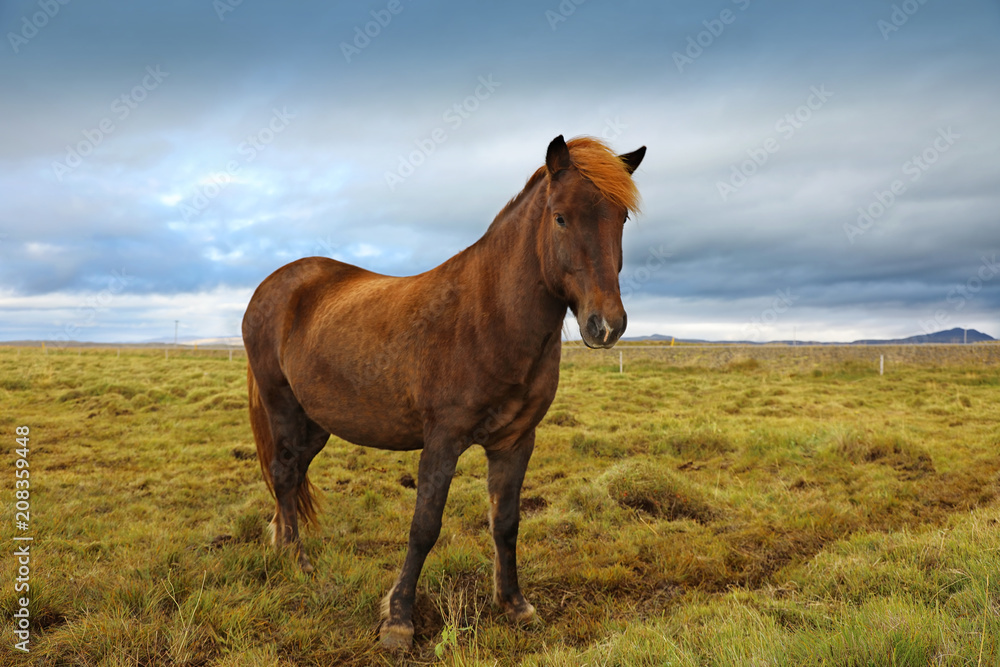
{"type": "Point", "coordinates": [590, 193]}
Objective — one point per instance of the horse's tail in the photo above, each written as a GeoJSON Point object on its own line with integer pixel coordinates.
{"type": "Point", "coordinates": [261, 428]}
{"type": "Point", "coordinates": [260, 425]}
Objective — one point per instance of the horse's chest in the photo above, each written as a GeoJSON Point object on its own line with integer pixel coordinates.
{"type": "Point", "coordinates": [515, 410]}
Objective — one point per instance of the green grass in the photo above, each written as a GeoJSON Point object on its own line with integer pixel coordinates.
{"type": "Point", "coordinates": [710, 506]}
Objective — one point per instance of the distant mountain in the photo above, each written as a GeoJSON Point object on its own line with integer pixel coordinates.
{"type": "Point", "coordinates": [195, 340]}
{"type": "Point", "coordinates": [950, 336]}
{"type": "Point", "coordinates": [230, 341]}
{"type": "Point", "coordinates": [658, 338]}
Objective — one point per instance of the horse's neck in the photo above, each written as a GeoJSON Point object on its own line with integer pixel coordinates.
{"type": "Point", "coordinates": [513, 292]}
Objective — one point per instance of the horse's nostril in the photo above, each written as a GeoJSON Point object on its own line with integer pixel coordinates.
{"type": "Point", "coordinates": [595, 326]}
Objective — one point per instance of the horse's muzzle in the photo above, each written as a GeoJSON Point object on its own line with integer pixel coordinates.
{"type": "Point", "coordinates": [598, 333]}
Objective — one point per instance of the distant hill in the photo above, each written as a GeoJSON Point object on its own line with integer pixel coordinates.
{"type": "Point", "coordinates": [230, 341]}
{"type": "Point", "coordinates": [950, 336]}
{"type": "Point", "coordinates": [658, 338]}
{"type": "Point", "coordinates": [156, 343]}
{"type": "Point", "coordinates": [197, 340]}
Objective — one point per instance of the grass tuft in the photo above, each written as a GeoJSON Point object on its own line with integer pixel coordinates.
{"type": "Point", "coordinates": [886, 449]}
{"type": "Point", "coordinates": [657, 490]}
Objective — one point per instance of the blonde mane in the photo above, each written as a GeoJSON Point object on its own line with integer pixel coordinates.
{"type": "Point", "coordinates": [597, 163]}
{"type": "Point", "coordinates": [602, 167]}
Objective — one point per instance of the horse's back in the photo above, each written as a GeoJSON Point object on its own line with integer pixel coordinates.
{"type": "Point", "coordinates": [293, 292]}
{"type": "Point", "coordinates": [310, 274]}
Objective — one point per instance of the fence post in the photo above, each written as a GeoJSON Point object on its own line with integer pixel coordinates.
{"type": "Point", "coordinates": [881, 363]}
{"type": "Point", "coordinates": [621, 361]}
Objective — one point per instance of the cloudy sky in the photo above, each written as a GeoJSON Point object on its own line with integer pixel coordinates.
{"type": "Point", "coordinates": [821, 169]}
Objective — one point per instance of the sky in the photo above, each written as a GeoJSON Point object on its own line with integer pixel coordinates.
{"type": "Point", "coordinates": [818, 170]}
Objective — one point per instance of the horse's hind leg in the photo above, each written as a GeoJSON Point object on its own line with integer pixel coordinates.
{"type": "Point", "coordinates": [297, 440]}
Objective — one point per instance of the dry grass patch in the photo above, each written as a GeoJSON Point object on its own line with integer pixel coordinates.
{"type": "Point", "coordinates": [657, 490]}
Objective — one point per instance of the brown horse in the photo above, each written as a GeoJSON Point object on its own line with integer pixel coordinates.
{"type": "Point", "coordinates": [466, 353]}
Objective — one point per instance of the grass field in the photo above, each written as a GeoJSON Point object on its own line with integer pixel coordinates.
{"type": "Point", "coordinates": [709, 506]}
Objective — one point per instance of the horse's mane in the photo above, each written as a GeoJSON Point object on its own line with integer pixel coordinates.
{"type": "Point", "coordinates": [601, 166]}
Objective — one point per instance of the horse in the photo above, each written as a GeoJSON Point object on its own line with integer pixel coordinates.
{"type": "Point", "coordinates": [466, 353]}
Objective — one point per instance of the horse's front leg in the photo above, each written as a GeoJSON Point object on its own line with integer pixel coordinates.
{"type": "Point", "coordinates": [437, 467]}
{"type": "Point", "coordinates": [506, 473]}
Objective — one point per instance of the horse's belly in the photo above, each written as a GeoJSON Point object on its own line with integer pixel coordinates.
{"type": "Point", "coordinates": [377, 433]}
{"type": "Point", "coordinates": [379, 424]}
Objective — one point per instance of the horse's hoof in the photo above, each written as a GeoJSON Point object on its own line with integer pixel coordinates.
{"type": "Point", "coordinates": [521, 613]}
{"type": "Point", "coordinates": [306, 564]}
{"type": "Point", "coordinates": [397, 637]}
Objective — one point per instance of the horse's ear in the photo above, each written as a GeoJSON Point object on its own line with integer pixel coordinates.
{"type": "Point", "coordinates": [557, 156]}
{"type": "Point", "coordinates": [633, 159]}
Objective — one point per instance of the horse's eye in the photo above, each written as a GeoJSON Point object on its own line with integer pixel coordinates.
{"type": "Point", "coordinates": [561, 221]}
